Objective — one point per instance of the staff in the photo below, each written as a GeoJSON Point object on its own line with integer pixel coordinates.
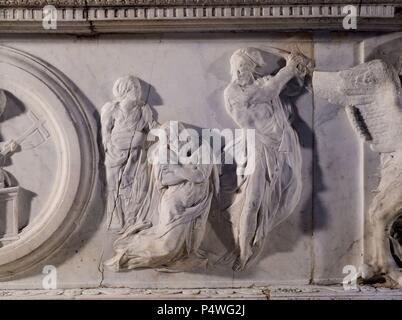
{"type": "Point", "coordinates": [32, 137]}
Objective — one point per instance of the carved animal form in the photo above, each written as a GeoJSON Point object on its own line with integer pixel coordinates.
{"type": "Point", "coordinates": [371, 93]}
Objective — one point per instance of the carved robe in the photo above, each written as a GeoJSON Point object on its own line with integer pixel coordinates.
{"type": "Point", "coordinates": [125, 159]}
{"type": "Point", "coordinates": [271, 192]}
{"type": "Point", "coordinates": [179, 221]}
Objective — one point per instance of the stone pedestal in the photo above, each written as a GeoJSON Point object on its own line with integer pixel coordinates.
{"type": "Point", "coordinates": [9, 213]}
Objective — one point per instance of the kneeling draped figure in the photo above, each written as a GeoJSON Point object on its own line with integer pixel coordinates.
{"type": "Point", "coordinates": [170, 235]}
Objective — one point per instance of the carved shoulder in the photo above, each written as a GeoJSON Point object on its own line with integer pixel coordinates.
{"type": "Point", "coordinates": [228, 94]}
{"type": "Point", "coordinates": [230, 90]}
{"type": "Point", "coordinates": [107, 121]}
{"type": "Point", "coordinates": [107, 111]}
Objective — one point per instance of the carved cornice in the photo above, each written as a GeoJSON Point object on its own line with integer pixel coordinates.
{"type": "Point", "coordinates": [163, 3]}
{"type": "Point", "coordinates": [98, 16]}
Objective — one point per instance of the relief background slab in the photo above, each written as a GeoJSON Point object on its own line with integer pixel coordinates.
{"type": "Point", "coordinates": [188, 74]}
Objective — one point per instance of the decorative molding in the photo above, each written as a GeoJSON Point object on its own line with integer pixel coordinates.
{"type": "Point", "coordinates": [263, 293]}
{"type": "Point", "coordinates": [160, 16]}
{"type": "Point", "coordinates": [164, 3]}
{"type": "Point", "coordinates": [188, 13]}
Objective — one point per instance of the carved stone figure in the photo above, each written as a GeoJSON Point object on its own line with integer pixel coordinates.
{"type": "Point", "coordinates": [371, 95]}
{"type": "Point", "coordinates": [6, 148]}
{"type": "Point", "coordinates": [9, 194]}
{"type": "Point", "coordinates": [268, 195]}
{"type": "Point", "coordinates": [12, 213]}
{"type": "Point", "coordinates": [54, 173]}
{"type": "Point", "coordinates": [125, 124]}
{"type": "Point", "coordinates": [181, 193]}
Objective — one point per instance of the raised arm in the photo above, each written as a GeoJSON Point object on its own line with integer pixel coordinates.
{"type": "Point", "coordinates": [275, 84]}
{"type": "Point", "coordinates": [297, 65]}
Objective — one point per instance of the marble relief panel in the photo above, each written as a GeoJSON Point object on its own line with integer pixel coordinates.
{"type": "Point", "coordinates": [133, 120]}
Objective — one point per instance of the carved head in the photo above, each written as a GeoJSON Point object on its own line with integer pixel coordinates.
{"type": "Point", "coordinates": [128, 88]}
{"type": "Point", "coordinates": [244, 62]}
{"type": "Point", "coordinates": [169, 142]}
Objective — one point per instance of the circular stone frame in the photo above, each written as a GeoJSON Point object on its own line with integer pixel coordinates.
{"type": "Point", "coordinates": [76, 163]}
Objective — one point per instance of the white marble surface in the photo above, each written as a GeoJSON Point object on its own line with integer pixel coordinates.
{"type": "Point", "coordinates": [188, 74]}
{"type": "Point", "coordinates": [338, 211]}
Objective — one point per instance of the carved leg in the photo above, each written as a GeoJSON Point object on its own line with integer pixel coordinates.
{"type": "Point", "coordinates": [114, 209]}
{"type": "Point", "coordinates": [378, 238]}
{"type": "Point", "coordinates": [248, 222]}
{"type": "Point", "coordinates": [383, 213]}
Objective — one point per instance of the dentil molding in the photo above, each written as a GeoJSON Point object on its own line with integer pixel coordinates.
{"type": "Point", "coordinates": [138, 16]}
{"type": "Point", "coordinates": [88, 3]}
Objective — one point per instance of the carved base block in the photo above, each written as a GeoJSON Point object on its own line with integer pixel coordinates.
{"type": "Point", "coordinates": [9, 213]}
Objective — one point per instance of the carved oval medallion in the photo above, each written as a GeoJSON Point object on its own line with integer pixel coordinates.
{"type": "Point", "coordinates": [49, 158]}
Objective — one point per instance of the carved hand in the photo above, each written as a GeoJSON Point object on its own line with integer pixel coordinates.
{"type": "Point", "coordinates": [299, 63]}
{"type": "Point", "coordinates": [9, 147]}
